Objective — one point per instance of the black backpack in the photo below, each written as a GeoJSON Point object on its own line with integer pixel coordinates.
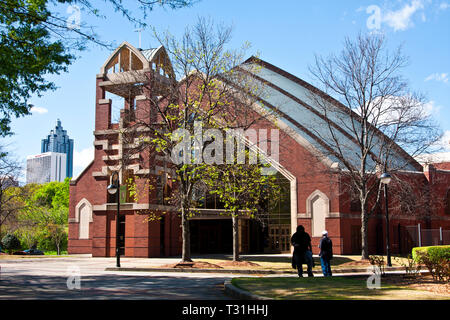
{"type": "Point", "coordinates": [327, 247]}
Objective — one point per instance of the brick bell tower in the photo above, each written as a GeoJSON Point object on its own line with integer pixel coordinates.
{"type": "Point", "coordinates": [136, 78]}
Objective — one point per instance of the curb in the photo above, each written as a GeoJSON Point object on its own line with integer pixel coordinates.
{"type": "Point", "coordinates": [241, 294]}
{"type": "Point", "coordinates": [191, 270]}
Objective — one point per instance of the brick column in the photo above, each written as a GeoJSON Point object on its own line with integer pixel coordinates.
{"type": "Point", "coordinates": [100, 238]}
{"type": "Point", "coordinates": [102, 107]}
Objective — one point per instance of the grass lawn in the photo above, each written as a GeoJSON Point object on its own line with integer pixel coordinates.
{"type": "Point", "coordinates": [47, 254]}
{"type": "Point", "coordinates": [332, 288]}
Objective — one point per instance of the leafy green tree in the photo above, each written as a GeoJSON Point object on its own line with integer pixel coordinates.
{"type": "Point", "coordinates": [243, 189]}
{"type": "Point", "coordinates": [53, 194]}
{"type": "Point", "coordinates": [27, 55]}
{"type": "Point", "coordinates": [47, 210]}
{"type": "Point", "coordinates": [28, 235]}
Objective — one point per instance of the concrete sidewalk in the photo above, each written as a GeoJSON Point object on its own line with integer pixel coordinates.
{"type": "Point", "coordinates": [242, 271]}
{"type": "Point", "coordinates": [156, 265]}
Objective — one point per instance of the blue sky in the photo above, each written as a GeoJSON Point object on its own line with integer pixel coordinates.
{"type": "Point", "coordinates": [286, 33]}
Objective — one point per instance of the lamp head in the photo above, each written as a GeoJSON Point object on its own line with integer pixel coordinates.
{"type": "Point", "coordinates": [385, 178]}
{"type": "Point", "coordinates": [112, 189]}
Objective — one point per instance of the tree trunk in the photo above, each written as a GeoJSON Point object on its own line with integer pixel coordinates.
{"type": "Point", "coordinates": [235, 221]}
{"type": "Point", "coordinates": [186, 246]}
{"type": "Point", "coordinates": [364, 231]}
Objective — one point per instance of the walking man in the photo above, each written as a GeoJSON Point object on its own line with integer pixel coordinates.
{"type": "Point", "coordinates": [326, 254]}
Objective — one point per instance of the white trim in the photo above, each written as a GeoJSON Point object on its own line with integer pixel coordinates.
{"type": "Point", "coordinates": [104, 101]}
{"type": "Point", "coordinates": [82, 204]}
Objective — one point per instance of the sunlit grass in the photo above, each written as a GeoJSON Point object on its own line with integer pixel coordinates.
{"type": "Point", "coordinates": [332, 288]}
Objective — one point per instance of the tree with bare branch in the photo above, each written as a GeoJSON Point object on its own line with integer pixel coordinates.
{"type": "Point", "coordinates": [374, 122]}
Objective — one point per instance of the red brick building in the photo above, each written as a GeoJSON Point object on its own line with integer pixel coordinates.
{"type": "Point", "coordinates": [312, 195]}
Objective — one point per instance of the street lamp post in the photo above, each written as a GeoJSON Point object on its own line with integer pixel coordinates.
{"type": "Point", "coordinates": [114, 188]}
{"type": "Point", "coordinates": [385, 179]}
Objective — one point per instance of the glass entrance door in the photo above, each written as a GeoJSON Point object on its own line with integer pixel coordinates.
{"type": "Point", "coordinates": [280, 238]}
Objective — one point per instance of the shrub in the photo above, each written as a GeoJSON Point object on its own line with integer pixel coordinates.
{"type": "Point", "coordinates": [436, 259]}
{"type": "Point", "coordinates": [377, 261]}
{"type": "Point", "coordinates": [412, 268]}
{"type": "Point", "coordinates": [10, 243]}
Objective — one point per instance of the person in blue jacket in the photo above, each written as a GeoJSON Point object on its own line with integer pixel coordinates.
{"type": "Point", "coordinates": [326, 253]}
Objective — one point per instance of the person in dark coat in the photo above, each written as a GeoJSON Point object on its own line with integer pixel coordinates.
{"type": "Point", "coordinates": [326, 254]}
{"type": "Point", "coordinates": [302, 249]}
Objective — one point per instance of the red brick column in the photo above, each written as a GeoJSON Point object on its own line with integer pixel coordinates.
{"type": "Point", "coordinates": [102, 107]}
{"type": "Point", "coordinates": [101, 235]}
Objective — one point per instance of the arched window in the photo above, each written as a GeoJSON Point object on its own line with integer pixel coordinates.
{"type": "Point", "coordinates": [318, 208]}
{"type": "Point", "coordinates": [83, 213]}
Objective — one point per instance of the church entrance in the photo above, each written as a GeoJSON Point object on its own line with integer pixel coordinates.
{"type": "Point", "coordinates": [211, 236]}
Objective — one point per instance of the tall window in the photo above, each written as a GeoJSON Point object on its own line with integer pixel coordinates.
{"type": "Point", "coordinates": [447, 207]}
{"type": "Point", "coordinates": [280, 208]}
{"type": "Point", "coordinates": [163, 188]}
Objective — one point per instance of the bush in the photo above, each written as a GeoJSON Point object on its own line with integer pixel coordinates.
{"type": "Point", "coordinates": [379, 262]}
{"type": "Point", "coordinates": [412, 267]}
{"type": "Point", "coordinates": [10, 243]}
{"type": "Point", "coordinates": [436, 259]}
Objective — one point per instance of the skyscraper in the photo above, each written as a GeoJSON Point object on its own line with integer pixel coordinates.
{"type": "Point", "coordinates": [58, 141]}
{"type": "Point", "coordinates": [46, 167]}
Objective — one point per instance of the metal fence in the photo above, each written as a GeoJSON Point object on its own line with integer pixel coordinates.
{"type": "Point", "coordinates": [419, 237]}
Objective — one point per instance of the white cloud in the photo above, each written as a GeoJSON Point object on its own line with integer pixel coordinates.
{"type": "Point", "coordinates": [444, 6]}
{"type": "Point", "coordinates": [402, 19]}
{"type": "Point", "coordinates": [430, 108]}
{"type": "Point", "coordinates": [443, 156]}
{"type": "Point", "coordinates": [39, 110]}
{"type": "Point", "coordinates": [442, 77]}
{"type": "Point", "coordinates": [394, 108]}
{"type": "Point", "coordinates": [445, 141]}
{"type": "Point", "coordinates": [442, 153]}
{"type": "Point", "coordinates": [81, 159]}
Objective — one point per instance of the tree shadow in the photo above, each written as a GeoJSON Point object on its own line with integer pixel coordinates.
{"type": "Point", "coordinates": [107, 287]}
{"type": "Point", "coordinates": [334, 288]}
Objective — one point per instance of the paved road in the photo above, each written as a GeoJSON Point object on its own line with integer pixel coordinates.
{"type": "Point", "coordinates": [47, 278]}
{"type": "Point", "coordinates": [55, 278]}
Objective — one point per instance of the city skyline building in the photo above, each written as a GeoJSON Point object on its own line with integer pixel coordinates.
{"type": "Point", "coordinates": [58, 141]}
{"type": "Point", "coordinates": [46, 167]}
